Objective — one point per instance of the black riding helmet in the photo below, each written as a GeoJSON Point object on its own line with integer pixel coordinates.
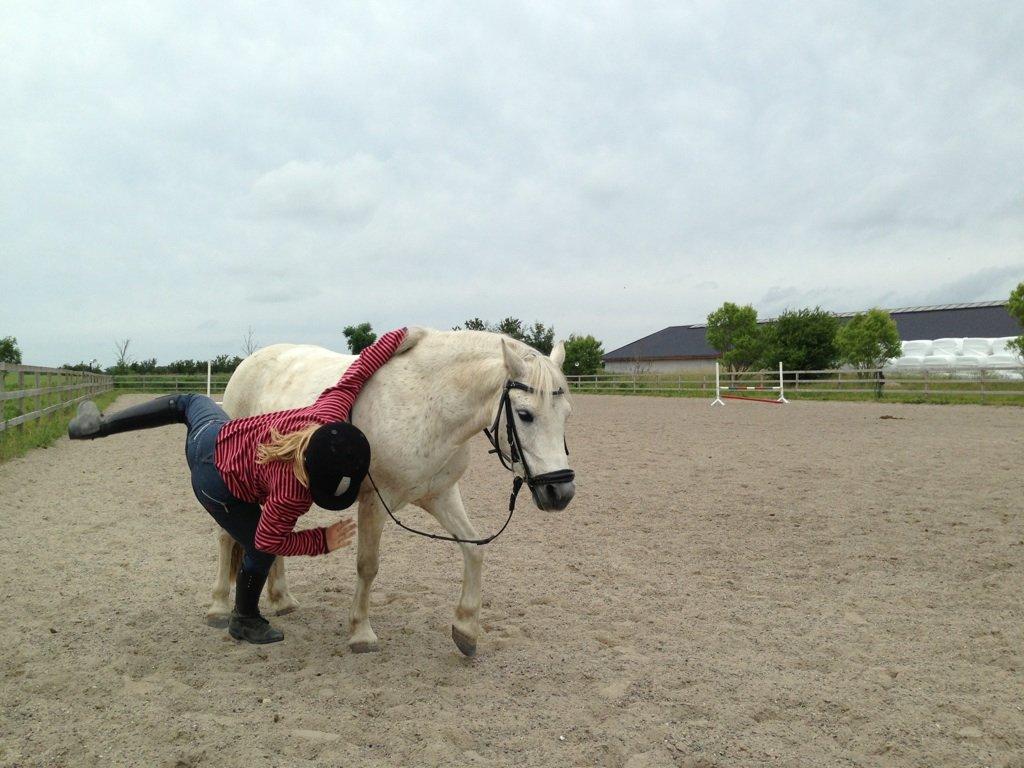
{"type": "Point", "coordinates": [336, 460]}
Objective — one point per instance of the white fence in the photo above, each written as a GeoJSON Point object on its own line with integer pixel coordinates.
{"type": "Point", "coordinates": [976, 384]}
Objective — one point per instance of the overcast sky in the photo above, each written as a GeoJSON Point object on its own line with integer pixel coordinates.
{"type": "Point", "coordinates": [176, 173]}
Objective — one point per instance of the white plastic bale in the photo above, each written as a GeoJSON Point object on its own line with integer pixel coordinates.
{"type": "Point", "coordinates": [1001, 346]}
{"type": "Point", "coordinates": [947, 346]}
{"type": "Point", "coordinates": [975, 346]}
{"type": "Point", "coordinates": [909, 363]}
{"type": "Point", "coordinates": [917, 348]}
{"type": "Point", "coordinates": [939, 362]}
{"type": "Point", "coordinates": [970, 361]}
{"type": "Point", "coordinates": [1003, 361]}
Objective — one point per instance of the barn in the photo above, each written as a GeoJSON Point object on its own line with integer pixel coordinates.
{"type": "Point", "coordinates": [685, 347]}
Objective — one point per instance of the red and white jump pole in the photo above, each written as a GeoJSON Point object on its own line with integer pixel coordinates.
{"type": "Point", "coordinates": [720, 398]}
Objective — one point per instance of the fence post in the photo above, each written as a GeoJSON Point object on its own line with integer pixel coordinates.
{"type": "Point", "coordinates": [3, 403]}
{"type": "Point", "coordinates": [925, 383]}
{"type": "Point", "coordinates": [39, 395]}
{"type": "Point", "coordinates": [21, 400]}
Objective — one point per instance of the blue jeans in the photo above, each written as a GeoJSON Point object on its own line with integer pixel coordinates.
{"type": "Point", "coordinates": [204, 419]}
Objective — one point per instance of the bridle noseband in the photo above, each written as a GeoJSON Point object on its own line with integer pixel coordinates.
{"type": "Point", "coordinates": [516, 456]}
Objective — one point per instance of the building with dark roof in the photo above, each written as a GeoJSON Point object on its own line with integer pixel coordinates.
{"type": "Point", "coordinates": [685, 347]}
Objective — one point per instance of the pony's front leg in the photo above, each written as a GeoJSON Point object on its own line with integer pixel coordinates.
{"type": "Point", "coordinates": [220, 609]}
{"type": "Point", "coordinates": [280, 599]}
{"type": "Point", "coordinates": [447, 507]}
{"type": "Point", "coordinates": [361, 637]}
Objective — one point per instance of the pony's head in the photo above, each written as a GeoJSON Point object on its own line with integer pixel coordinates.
{"type": "Point", "coordinates": [537, 411]}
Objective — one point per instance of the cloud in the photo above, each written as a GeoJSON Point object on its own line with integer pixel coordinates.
{"type": "Point", "coordinates": [344, 193]}
{"type": "Point", "coordinates": [611, 170]}
{"type": "Point", "coordinates": [983, 285]}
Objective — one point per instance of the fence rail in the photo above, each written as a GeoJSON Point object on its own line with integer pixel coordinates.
{"type": "Point", "coordinates": [171, 382]}
{"type": "Point", "coordinates": [28, 392]}
{"type": "Point", "coordinates": [956, 383]}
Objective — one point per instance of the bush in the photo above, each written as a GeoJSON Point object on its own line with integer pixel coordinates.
{"type": "Point", "coordinates": [582, 356]}
{"type": "Point", "coordinates": [802, 340]}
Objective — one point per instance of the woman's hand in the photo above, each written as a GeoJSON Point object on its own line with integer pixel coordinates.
{"type": "Point", "coordinates": [340, 534]}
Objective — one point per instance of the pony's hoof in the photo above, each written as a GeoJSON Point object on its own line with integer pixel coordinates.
{"type": "Point", "coordinates": [364, 647]}
{"type": "Point", "coordinates": [286, 608]}
{"type": "Point", "coordinates": [217, 620]}
{"type": "Point", "coordinates": [465, 643]}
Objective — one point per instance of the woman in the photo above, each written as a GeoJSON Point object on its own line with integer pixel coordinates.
{"type": "Point", "coordinates": [256, 476]}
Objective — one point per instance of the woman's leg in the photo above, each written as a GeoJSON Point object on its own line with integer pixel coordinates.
{"type": "Point", "coordinates": [89, 424]}
{"type": "Point", "coordinates": [238, 518]}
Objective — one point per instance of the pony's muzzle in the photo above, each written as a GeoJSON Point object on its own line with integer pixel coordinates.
{"type": "Point", "coordinates": [553, 496]}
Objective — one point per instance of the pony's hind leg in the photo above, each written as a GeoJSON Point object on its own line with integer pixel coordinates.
{"type": "Point", "coordinates": [278, 596]}
{"type": "Point", "coordinates": [220, 609]}
{"type": "Point", "coordinates": [447, 507]}
{"type": "Point", "coordinates": [361, 637]}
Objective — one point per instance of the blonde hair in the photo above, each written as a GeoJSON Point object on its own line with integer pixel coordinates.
{"type": "Point", "coordinates": [290, 447]}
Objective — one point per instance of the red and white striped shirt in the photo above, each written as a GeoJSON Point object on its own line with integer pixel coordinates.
{"type": "Point", "coordinates": [273, 485]}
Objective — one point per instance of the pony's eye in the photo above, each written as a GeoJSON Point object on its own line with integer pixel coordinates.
{"type": "Point", "coordinates": [526, 416]}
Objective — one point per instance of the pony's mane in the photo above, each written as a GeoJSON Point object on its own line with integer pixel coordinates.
{"type": "Point", "coordinates": [543, 375]}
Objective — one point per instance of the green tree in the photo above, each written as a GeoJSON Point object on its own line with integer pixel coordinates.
{"type": "Point", "coordinates": [802, 340]}
{"type": "Point", "coordinates": [541, 337]}
{"type": "Point", "coordinates": [734, 332]}
{"type": "Point", "coordinates": [223, 364]}
{"type": "Point", "coordinates": [122, 362]}
{"type": "Point", "coordinates": [511, 326]}
{"type": "Point", "coordinates": [582, 356]}
{"type": "Point", "coordinates": [1016, 309]}
{"type": "Point", "coordinates": [90, 367]}
{"type": "Point", "coordinates": [868, 339]}
{"type": "Point", "coordinates": [476, 324]}
{"type": "Point", "coordinates": [359, 337]}
{"type": "Point", "coordinates": [9, 352]}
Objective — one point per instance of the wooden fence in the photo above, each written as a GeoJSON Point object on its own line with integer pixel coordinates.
{"type": "Point", "coordinates": [29, 392]}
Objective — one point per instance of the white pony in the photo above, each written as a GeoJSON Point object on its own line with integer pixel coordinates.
{"type": "Point", "coordinates": [418, 412]}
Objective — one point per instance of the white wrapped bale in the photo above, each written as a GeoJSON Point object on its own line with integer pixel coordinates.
{"type": "Point", "coordinates": [947, 346]}
{"type": "Point", "coordinates": [917, 348]}
{"type": "Point", "coordinates": [939, 362]}
{"type": "Point", "coordinates": [971, 361]}
{"type": "Point", "coordinates": [909, 363]}
{"type": "Point", "coordinates": [1003, 356]}
{"type": "Point", "coordinates": [1001, 346]}
{"type": "Point", "coordinates": [975, 346]}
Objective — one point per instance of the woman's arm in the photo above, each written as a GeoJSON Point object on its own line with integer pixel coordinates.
{"type": "Point", "coordinates": [276, 534]}
{"type": "Point", "coordinates": [335, 403]}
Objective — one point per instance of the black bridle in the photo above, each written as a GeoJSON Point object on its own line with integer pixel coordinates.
{"type": "Point", "coordinates": [516, 456]}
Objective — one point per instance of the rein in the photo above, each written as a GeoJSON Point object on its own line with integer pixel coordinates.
{"type": "Point", "coordinates": [517, 455]}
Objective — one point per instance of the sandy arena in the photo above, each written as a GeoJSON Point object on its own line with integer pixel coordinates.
{"type": "Point", "coordinates": [816, 584]}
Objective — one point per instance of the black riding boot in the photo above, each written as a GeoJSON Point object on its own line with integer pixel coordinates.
{"type": "Point", "coordinates": [89, 424]}
{"type": "Point", "coordinates": [246, 623]}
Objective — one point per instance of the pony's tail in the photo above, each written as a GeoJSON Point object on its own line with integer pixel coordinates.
{"type": "Point", "coordinates": [237, 553]}
{"type": "Point", "coordinates": [290, 447]}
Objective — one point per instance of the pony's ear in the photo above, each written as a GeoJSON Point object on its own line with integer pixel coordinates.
{"type": "Point", "coordinates": [412, 335]}
{"type": "Point", "coordinates": [514, 364]}
{"type": "Point", "coordinates": [558, 354]}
